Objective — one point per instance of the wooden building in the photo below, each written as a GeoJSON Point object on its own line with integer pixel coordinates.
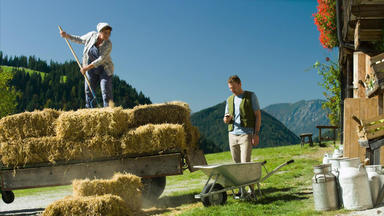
{"type": "Point", "coordinates": [360, 35]}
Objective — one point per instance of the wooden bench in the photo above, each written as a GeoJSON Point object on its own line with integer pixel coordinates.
{"type": "Point", "coordinates": [303, 135]}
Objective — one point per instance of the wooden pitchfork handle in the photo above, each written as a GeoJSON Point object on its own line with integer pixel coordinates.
{"type": "Point", "coordinates": [78, 62]}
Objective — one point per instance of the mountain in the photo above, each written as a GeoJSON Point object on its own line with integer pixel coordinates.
{"type": "Point", "coordinates": [215, 136]}
{"type": "Point", "coordinates": [300, 117]}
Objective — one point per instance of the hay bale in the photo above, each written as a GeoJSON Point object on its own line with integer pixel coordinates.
{"type": "Point", "coordinates": [106, 205]}
{"type": "Point", "coordinates": [170, 112]}
{"type": "Point", "coordinates": [52, 149]}
{"type": "Point", "coordinates": [127, 186]}
{"type": "Point", "coordinates": [153, 138]}
{"type": "Point", "coordinates": [86, 134]}
{"type": "Point", "coordinates": [86, 123]}
{"type": "Point", "coordinates": [30, 150]}
{"type": "Point", "coordinates": [38, 123]}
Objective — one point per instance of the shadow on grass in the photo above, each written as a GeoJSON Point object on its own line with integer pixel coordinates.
{"type": "Point", "coordinates": [274, 190]}
{"type": "Point", "coordinates": [167, 204]}
{"type": "Point", "coordinates": [279, 197]}
{"type": "Point", "coordinates": [172, 201]}
{"type": "Point", "coordinates": [270, 195]}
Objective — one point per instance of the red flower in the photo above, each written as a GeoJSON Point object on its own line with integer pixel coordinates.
{"type": "Point", "coordinates": [325, 20]}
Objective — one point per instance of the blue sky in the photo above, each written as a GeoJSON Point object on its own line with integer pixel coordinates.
{"type": "Point", "coordinates": [183, 49]}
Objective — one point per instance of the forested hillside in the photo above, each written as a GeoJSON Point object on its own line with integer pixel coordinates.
{"type": "Point", "coordinates": [59, 85]}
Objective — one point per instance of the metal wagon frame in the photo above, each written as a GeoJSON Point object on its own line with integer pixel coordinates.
{"type": "Point", "coordinates": [225, 177]}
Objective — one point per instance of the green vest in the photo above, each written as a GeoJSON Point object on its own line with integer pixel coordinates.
{"type": "Point", "coordinates": [247, 115]}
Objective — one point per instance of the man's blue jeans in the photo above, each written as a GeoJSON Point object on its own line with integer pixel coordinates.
{"type": "Point", "coordinates": [94, 76]}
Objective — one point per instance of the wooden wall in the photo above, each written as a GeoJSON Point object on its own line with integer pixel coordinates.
{"type": "Point", "coordinates": [363, 108]}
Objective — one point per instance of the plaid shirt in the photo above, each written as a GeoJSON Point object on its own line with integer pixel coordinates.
{"type": "Point", "coordinates": [105, 49]}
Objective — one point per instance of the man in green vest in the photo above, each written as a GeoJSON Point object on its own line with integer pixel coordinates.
{"type": "Point", "coordinates": [243, 116]}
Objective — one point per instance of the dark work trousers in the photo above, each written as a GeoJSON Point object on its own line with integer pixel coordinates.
{"type": "Point", "coordinates": [96, 75]}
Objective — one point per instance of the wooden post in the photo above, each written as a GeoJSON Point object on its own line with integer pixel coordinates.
{"type": "Point", "coordinates": [359, 72]}
{"type": "Point", "coordinates": [357, 35]}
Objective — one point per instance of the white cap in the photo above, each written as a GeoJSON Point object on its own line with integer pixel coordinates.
{"type": "Point", "coordinates": [102, 25]}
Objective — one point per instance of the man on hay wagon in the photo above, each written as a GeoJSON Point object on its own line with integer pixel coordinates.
{"type": "Point", "coordinates": [97, 62]}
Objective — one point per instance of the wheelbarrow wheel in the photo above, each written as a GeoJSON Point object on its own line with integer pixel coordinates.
{"type": "Point", "coordinates": [7, 196]}
{"type": "Point", "coordinates": [214, 199]}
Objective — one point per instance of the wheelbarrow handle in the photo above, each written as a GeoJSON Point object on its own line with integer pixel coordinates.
{"type": "Point", "coordinates": [290, 161]}
{"type": "Point", "coordinates": [276, 169]}
{"type": "Point", "coordinates": [263, 163]}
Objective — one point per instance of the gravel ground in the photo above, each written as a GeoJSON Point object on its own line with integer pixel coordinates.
{"type": "Point", "coordinates": [32, 203]}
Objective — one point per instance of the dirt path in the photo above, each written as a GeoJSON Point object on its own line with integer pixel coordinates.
{"type": "Point", "coordinates": [379, 211]}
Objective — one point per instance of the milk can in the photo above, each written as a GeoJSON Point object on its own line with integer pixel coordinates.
{"type": "Point", "coordinates": [381, 176]}
{"type": "Point", "coordinates": [324, 188]}
{"type": "Point", "coordinates": [337, 153]}
{"type": "Point", "coordinates": [335, 165]}
{"type": "Point", "coordinates": [374, 181]}
{"type": "Point", "coordinates": [326, 158]}
{"type": "Point", "coordinates": [354, 185]}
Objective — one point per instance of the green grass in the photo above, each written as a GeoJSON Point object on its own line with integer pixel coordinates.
{"type": "Point", "coordinates": [63, 79]}
{"type": "Point", "coordinates": [37, 191]}
{"type": "Point", "coordinates": [29, 71]}
{"type": "Point", "coordinates": [288, 192]}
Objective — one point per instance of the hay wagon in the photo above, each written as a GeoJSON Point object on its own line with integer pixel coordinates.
{"type": "Point", "coordinates": [152, 168]}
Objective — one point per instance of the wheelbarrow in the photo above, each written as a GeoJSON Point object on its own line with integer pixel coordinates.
{"type": "Point", "coordinates": [225, 177]}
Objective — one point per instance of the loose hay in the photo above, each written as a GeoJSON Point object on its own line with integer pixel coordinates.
{"type": "Point", "coordinates": [127, 186]}
{"type": "Point", "coordinates": [152, 138]}
{"type": "Point", "coordinates": [28, 124]}
{"type": "Point", "coordinates": [106, 205]}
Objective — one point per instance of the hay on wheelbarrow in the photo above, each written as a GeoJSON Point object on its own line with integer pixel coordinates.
{"type": "Point", "coordinates": [152, 138]}
{"type": "Point", "coordinates": [106, 205]}
{"type": "Point", "coordinates": [38, 123]}
{"type": "Point", "coordinates": [53, 149]}
{"type": "Point", "coordinates": [86, 123]}
{"type": "Point", "coordinates": [127, 186]}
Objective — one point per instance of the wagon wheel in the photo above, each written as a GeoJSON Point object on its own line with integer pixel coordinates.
{"type": "Point", "coordinates": [7, 196]}
{"type": "Point", "coordinates": [153, 187]}
{"type": "Point", "coordinates": [214, 199]}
